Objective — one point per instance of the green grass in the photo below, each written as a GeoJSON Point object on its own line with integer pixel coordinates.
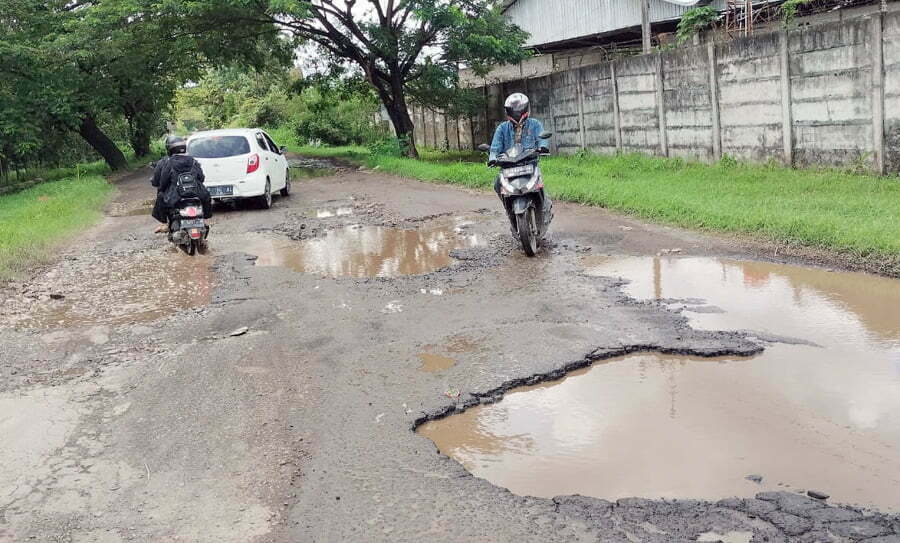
{"type": "Point", "coordinates": [855, 215]}
{"type": "Point", "coordinates": [35, 220]}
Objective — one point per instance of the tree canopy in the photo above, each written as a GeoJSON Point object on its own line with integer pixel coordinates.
{"type": "Point", "coordinates": [405, 48]}
{"type": "Point", "coordinates": [85, 65]}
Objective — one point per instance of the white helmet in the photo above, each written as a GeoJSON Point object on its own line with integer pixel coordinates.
{"type": "Point", "coordinates": [517, 107]}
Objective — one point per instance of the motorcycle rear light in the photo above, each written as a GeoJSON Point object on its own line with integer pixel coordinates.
{"type": "Point", "coordinates": [190, 212]}
{"type": "Point", "coordinates": [195, 233]}
{"type": "Point", "coordinates": [253, 163]}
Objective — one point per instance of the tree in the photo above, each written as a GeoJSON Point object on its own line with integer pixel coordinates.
{"type": "Point", "coordinates": [88, 61]}
{"type": "Point", "coordinates": [404, 48]}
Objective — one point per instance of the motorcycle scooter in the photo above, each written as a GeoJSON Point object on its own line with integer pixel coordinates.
{"type": "Point", "coordinates": [528, 207]}
{"type": "Point", "coordinates": [187, 229]}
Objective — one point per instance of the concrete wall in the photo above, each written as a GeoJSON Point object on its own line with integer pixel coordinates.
{"type": "Point", "coordinates": [824, 95]}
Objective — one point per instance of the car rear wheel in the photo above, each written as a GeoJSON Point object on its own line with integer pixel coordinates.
{"type": "Point", "coordinates": [286, 191]}
{"type": "Point", "coordinates": [265, 201]}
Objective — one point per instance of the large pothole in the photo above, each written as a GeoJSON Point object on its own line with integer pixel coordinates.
{"type": "Point", "coordinates": [111, 290]}
{"type": "Point", "coordinates": [819, 414]}
{"type": "Point", "coordinates": [367, 251]}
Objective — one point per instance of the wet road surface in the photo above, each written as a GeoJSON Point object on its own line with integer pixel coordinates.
{"type": "Point", "coordinates": [821, 413]}
{"type": "Point", "coordinates": [276, 399]}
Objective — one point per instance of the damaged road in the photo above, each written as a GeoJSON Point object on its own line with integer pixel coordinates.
{"type": "Point", "coordinates": [132, 411]}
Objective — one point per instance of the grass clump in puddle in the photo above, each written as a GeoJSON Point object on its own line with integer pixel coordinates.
{"type": "Point", "coordinates": [849, 213]}
{"type": "Point", "coordinates": [34, 220]}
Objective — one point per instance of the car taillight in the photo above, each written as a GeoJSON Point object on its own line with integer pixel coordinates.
{"type": "Point", "coordinates": [253, 163]}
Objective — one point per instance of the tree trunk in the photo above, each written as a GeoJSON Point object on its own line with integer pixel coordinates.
{"type": "Point", "coordinates": [140, 129]}
{"type": "Point", "coordinates": [140, 142]}
{"type": "Point", "coordinates": [404, 128]}
{"type": "Point", "coordinates": [101, 143]}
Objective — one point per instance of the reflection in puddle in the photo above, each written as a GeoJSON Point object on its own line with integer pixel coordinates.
{"type": "Point", "coordinates": [677, 427]}
{"type": "Point", "coordinates": [365, 251]}
{"type": "Point", "coordinates": [433, 363]}
{"type": "Point", "coordinates": [326, 213]}
{"type": "Point", "coordinates": [123, 291]}
{"type": "Point", "coordinates": [729, 537]}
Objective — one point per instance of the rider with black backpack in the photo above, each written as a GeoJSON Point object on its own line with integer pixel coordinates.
{"type": "Point", "coordinates": [176, 177]}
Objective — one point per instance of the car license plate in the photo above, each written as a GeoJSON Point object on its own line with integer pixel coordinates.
{"type": "Point", "coordinates": [221, 190]}
{"type": "Point", "coordinates": [518, 171]}
{"type": "Point", "coordinates": [191, 223]}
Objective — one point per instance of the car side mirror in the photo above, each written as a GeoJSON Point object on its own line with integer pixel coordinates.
{"type": "Point", "coordinates": [283, 149]}
{"type": "Point", "coordinates": [546, 135]}
{"type": "Point", "coordinates": [484, 148]}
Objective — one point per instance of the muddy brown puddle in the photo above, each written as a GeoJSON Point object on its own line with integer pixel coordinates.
{"type": "Point", "coordinates": [121, 290]}
{"type": "Point", "coordinates": [650, 425]}
{"type": "Point", "coordinates": [366, 251]}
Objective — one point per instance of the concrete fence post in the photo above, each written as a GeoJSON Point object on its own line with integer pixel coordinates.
{"type": "Point", "coordinates": [661, 106]}
{"type": "Point", "coordinates": [578, 74]}
{"type": "Point", "coordinates": [714, 101]}
{"type": "Point", "coordinates": [787, 115]}
{"type": "Point", "coordinates": [550, 93]}
{"type": "Point", "coordinates": [878, 91]}
{"type": "Point", "coordinates": [617, 120]}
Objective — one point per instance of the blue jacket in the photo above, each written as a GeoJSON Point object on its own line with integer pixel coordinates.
{"type": "Point", "coordinates": [505, 135]}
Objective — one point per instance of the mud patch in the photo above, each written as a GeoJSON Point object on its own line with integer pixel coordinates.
{"type": "Point", "coordinates": [365, 251]}
{"type": "Point", "coordinates": [434, 363]}
{"type": "Point", "coordinates": [660, 426]}
{"type": "Point", "coordinates": [113, 291]}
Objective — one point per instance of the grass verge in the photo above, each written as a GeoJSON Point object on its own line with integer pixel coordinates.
{"type": "Point", "coordinates": [35, 220]}
{"type": "Point", "coordinates": [856, 216]}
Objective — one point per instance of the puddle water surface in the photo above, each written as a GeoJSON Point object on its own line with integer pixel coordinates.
{"type": "Point", "coordinates": [120, 291]}
{"type": "Point", "coordinates": [328, 212]}
{"type": "Point", "coordinates": [651, 425]}
{"type": "Point", "coordinates": [365, 251]}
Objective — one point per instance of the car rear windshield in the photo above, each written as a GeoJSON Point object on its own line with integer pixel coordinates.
{"type": "Point", "coordinates": [218, 146]}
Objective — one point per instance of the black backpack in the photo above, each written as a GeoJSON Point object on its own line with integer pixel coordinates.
{"type": "Point", "coordinates": [187, 185]}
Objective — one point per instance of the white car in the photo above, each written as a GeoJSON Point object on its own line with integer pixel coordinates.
{"type": "Point", "coordinates": [241, 163]}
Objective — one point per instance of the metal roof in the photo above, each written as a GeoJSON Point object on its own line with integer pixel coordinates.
{"type": "Point", "coordinates": [562, 20]}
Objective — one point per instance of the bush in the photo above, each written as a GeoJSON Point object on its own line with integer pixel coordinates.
{"type": "Point", "coordinates": [336, 120]}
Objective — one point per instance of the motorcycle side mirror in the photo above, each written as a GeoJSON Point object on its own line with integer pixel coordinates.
{"type": "Point", "coordinates": [484, 148]}
{"type": "Point", "coordinates": [546, 135]}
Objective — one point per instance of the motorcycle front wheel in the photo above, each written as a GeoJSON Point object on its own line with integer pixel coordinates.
{"type": "Point", "coordinates": [528, 231]}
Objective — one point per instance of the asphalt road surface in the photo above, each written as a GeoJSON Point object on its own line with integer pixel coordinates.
{"type": "Point", "coordinates": [269, 390]}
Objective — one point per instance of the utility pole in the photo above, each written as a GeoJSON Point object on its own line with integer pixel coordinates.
{"type": "Point", "coordinates": [645, 24]}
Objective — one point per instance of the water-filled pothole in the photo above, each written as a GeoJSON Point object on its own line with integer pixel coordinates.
{"type": "Point", "coordinates": [366, 251]}
{"type": "Point", "coordinates": [666, 426]}
{"type": "Point", "coordinates": [118, 290]}
{"type": "Point", "coordinates": [329, 212]}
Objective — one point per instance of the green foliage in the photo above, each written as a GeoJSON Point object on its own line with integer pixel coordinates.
{"type": "Point", "coordinates": [330, 111]}
{"type": "Point", "coordinates": [789, 10]}
{"type": "Point", "coordinates": [404, 49]}
{"type": "Point", "coordinates": [117, 64]}
{"type": "Point", "coordinates": [694, 20]}
{"type": "Point", "coordinates": [329, 119]}
{"type": "Point", "coordinates": [34, 220]}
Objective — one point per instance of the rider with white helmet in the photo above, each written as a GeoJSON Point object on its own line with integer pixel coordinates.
{"type": "Point", "coordinates": [519, 127]}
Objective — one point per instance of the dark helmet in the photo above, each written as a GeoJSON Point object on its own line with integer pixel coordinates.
{"type": "Point", "coordinates": [517, 107]}
{"type": "Point", "coordinates": [176, 145]}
